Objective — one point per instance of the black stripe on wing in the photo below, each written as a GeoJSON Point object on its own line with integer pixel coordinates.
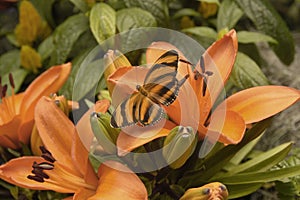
{"type": "Point", "coordinates": [125, 113]}
{"type": "Point", "coordinates": [149, 112]}
{"type": "Point", "coordinates": [166, 64]}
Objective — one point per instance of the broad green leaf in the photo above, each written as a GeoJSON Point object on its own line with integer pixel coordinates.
{"type": "Point", "coordinates": [102, 21]}
{"type": "Point", "coordinates": [252, 37]}
{"type": "Point", "coordinates": [157, 8]}
{"type": "Point", "coordinates": [186, 12]}
{"type": "Point", "coordinates": [201, 31]}
{"type": "Point", "coordinates": [262, 162]}
{"type": "Point", "coordinates": [241, 190]}
{"type": "Point", "coordinates": [268, 21]}
{"type": "Point", "coordinates": [9, 61]}
{"type": "Point", "coordinates": [129, 18]}
{"type": "Point", "coordinates": [65, 35]}
{"type": "Point", "coordinates": [87, 78]}
{"type": "Point", "coordinates": [67, 89]}
{"type": "Point", "coordinates": [261, 177]}
{"type": "Point", "coordinates": [18, 75]}
{"type": "Point", "coordinates": [46, 48]}
{"type": "Point", "coordinates": [81, 5]}
{"type": "Point", "coordinates": [246, 73]}
{"type": "Point", "coordinates": [202, 34]}
{"type": "Point", "coordinates": [228, 15]}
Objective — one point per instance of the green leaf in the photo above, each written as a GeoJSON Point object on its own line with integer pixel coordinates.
{"type": "Point", "coordinates": [67, 89]}
{"type": "Point", "coordinates": [186, 12]}
{"type": "Point", "coordinates": [207, 168]}
{"type": "Point", "coordinates": [241, 190]}
{"type": "Point", "coordinates": [18, 75]}
{"type": "Point", "coordinates": [45, 9]}
{"type": "Point", "coordinates": [157, 8]}
{"type": "Point", "coordinates": [268, 21]}
{"type": "Point", "coordinates": [202, 34]}
{"type": "Point", "coordinates": [201, 31]}
{"type": "Point", "coordinates": [246, 73]}
{"type": "Point", "coordinates": [102, 21]}
{"type": "Point", "coordinates": [240, 155]}
{"type": "Point", "coordinates": [262, 162]}
{"type": "Point", "coordinates": [261, 177]}
{"type": "Point", "coordinates": [246, 37]}
{"type": "Point", "coordinates": [46, 48]}
{"type": "Point", "coordinates": [228, 15]}
{"type": "Point", "coordinates": [87, 78]}
{"type": "Point", "coordinates": [9, 61]}
{"type": "Point", "coordinates": [129, 18]}
{"type": "Point", "coordinates": [81, 5]}
{"type": "Point", "coordinates": [65, 35]}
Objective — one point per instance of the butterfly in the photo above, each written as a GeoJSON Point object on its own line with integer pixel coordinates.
{"type": "Point", "coordinates": [160, 87]}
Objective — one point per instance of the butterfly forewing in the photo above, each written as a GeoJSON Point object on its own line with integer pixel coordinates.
{"type": "Point", "coordinates": [164, 67]}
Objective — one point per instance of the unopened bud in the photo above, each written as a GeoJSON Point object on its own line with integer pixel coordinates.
{"type": "Point", "coordinates": [104, 133]}
{"type": "Point", "coordinates": [179, 146]}
{"type": "Point", "coordinates": [215, 190]}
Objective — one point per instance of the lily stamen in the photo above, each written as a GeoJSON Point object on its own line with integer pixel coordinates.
{"type": "Point", "coordinates": [47, 155]}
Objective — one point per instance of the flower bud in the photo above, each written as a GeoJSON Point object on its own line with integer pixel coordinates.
{"type": "Point", "coordinates": [215, 190]}
{"type": "Point", "coordinates": [179, 146]}
{"type": "Point", "coordinates": [112, 61]}
{"type": "Point", "coordinates": [104, 133]}
{"type": "Point", "coordinates": [35, 142]}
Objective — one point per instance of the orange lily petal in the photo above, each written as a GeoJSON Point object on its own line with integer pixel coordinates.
{"type": "Point", "coordinates": [16, 171]}
{"type": "Point", "coordinates": [9, 133]}
{"type": "Point", "coordinates": [258, 103]}
{"type": "Point", "coordinates": [229, 124]}
{"type": "Point", "coordinates": [83, 126]}
{"type": "Point", "coordinates": [82, 194]}
{"type": "Point", "coordinates": [127, 142]}
{"type": "Point", "coordinates": [48, 82]}
{"type": "Point", "coordinates": [116, 181]}
{"type": "Point", "coordinates": [60, 137]}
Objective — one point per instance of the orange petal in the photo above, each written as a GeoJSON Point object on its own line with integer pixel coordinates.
{"type": "Point", "coordinates": [48, 82]}
{"type": "Point", "coordinates": [219, 59]}
{"type": "Point", "coordinates": [229, 124]}
{"type": "Point", "coordinates": [258, 103]}
{"type": "Point", "coordinates": [116, 181]}
{"type": "Point", "coordinates": [16, 171]}
{"type": "Point", "coordinates": [135, 136]}
{"type": "Point", "coordinates": [82, 194]}
{"type": "Point", "coordinates": [9, 133]}
{"type": "Point", "coordinates": [84, 127]}
{"type": "Point", "coordinates": [60, 137]}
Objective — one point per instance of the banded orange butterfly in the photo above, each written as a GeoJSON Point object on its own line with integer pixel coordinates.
{"type": "Point", "coordinates": [160, 87]}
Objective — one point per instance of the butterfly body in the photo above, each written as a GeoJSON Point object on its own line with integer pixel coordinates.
{"type": "Point", "coordinates": [160, 87]}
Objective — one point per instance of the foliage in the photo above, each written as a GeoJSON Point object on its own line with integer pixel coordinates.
{"type": "Point", "coordinates": [35, 36]}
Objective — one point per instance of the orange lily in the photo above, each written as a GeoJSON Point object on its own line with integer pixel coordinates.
{"type": "Point", "coordinates": [64, 165]}
{"type": "Point", "coordinates": [227, 122]}
{"type": "Point", "coordinates": [16, 117]}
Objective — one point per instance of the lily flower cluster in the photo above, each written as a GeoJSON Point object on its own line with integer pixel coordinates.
{"type": "Point", "coordinates": [64, 164]}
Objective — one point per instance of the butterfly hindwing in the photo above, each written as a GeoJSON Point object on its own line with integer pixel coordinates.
{"type": "Point", "coordinates": [136, 109]}
{"type": "Point", "coordinates": [125, 113]}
